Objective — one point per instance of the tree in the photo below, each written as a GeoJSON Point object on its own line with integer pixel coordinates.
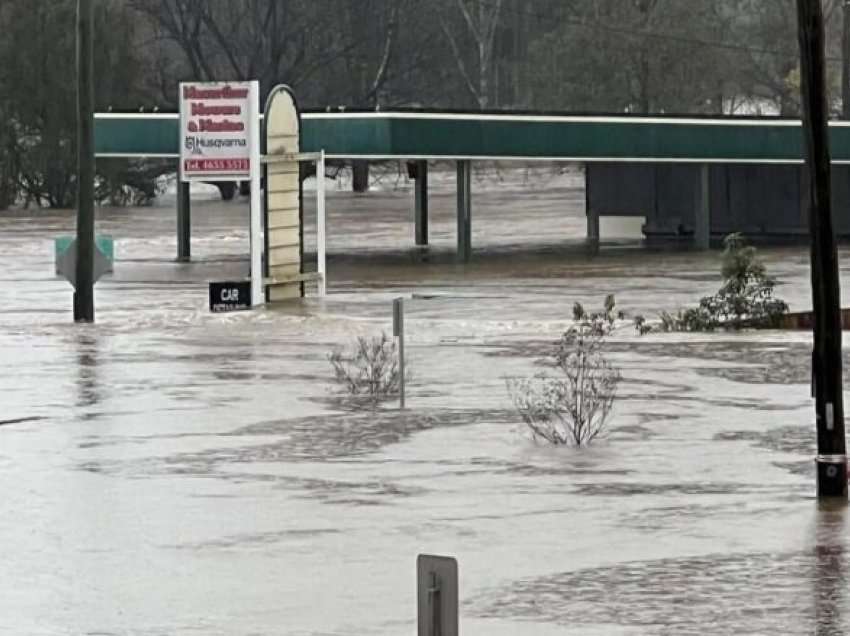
{"type": "Point", "coordinates": [480, 19]}
{"type": "Point", "coordinates": [572, 407]}
{"type": "Point", "coordinates": [272, 41]}
{"type": "Point", "coordinates": [38, 94]}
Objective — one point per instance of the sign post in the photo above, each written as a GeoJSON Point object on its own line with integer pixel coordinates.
{"type": "Point", "coordinates": [436, 595]}
{"type": "Point", "coordinates": [220, 141]}
{"type": "Point", "coordinates": [398, 331]}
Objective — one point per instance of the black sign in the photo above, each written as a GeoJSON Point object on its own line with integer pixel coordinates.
{"type": "Point", "coordinates": [234, 296]}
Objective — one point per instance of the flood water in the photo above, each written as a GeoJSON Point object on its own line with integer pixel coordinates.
{"type": "Point", "coordinates": [170, 471]}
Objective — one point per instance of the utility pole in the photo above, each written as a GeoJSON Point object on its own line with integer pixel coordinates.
{"type": "Point", "coordinates": [826, 357]}
{"type": "Point", "coordinates": [84, 285]}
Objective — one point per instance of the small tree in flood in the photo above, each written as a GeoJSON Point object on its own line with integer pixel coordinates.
{"type": "Point", "coordinates": [573, 407]}
{"type": "Point", "coordinates": [746, 298]}
{"type": "Point", "coordinates": [369, 369]}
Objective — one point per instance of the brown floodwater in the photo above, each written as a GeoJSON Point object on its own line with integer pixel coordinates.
{"type": "Point", "coordinates": [171, 471]}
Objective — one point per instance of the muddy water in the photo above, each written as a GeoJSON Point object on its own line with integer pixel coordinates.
{"type": "Point", "coordinates": [168, 471]}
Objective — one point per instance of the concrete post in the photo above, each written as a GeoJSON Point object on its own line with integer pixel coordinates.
{"type": "Point", "coordinates": [421, 196]}
{"type": "Point", "coordinates": [702, 210]}
{"type": "Point", "coordinates": [464, 210]}
{"type": "Point", "coordinates": [184, 222]}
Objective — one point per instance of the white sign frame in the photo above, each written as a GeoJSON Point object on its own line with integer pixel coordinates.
{"type": "Point", "coordinates": [248, 106]}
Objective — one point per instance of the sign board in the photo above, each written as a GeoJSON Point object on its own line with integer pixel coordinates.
{"type": "Point", "coordinates": [437, 595]}
{"type": "Point", "coordinates": [66, 263]}
{"type": "Point", "coordinates": [104, 243]}
{"type": "Point", "coordinates": [398, 317]}
{"type": "Point", "coordinates": [230, 296]}
{"type": "Point", "coordinates": [216, 122]}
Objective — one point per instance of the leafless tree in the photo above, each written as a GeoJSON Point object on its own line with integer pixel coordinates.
{"type": "Point", "coordinates": [480, 20]}
{"type": "Point", "coordinates": [368, 370]}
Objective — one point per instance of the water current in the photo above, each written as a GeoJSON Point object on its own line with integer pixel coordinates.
{"type": "Point", "coordinates": [171, 471]}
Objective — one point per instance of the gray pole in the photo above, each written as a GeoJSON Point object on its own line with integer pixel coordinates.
{"type": "Point", "coordinates": [421, 202]}
{"type": "Point", "coordinates": [398, 331]}
{"type": "Point", "coordinates": [184, 220]}
{"type": "Point", "coordinates": [464, 210]}
{"type": "Point", "coordinates": [826, 298]}
{"type": "Point", "coordinates": [84, 292]}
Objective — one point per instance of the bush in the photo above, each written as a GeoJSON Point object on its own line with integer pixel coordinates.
{"type": "Point", "coordinates": [369, 370]}
{"type": "Point", "coordinates": [744, 300]}
{"type": "Point", "coordinates": [572, 408]}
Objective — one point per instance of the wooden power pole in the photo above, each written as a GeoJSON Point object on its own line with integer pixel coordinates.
{"type": "Point", "coordinates": [85, 246]}
{"type": "Point", "coordinates": [826, 357]}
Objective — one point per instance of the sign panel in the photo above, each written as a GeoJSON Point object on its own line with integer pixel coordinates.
{"type": "Point", "coordinates": [230, 296]}
{"type": "Point", "coordinates": [66, 263]}
{"type": "Point", "coordinates": [437, 595]}
{"type": "Point", "coordinates": [216, 121]}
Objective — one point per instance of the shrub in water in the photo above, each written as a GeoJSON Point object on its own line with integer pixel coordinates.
{"type": "Point", "coordinates": [572, 407]}
{"type": "Point", "coordinates": [745, 300]}
{"type": "Point", "coordinates": [369, 369]}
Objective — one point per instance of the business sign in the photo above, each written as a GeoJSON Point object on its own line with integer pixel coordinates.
{"type": "Point", "coordinates": [216, 125]}
{"type": "Point", "coordinates": [230, 296]}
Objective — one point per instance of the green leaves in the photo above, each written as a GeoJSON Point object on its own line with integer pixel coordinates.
{"type": "Point", "coordinates": [744, 300]}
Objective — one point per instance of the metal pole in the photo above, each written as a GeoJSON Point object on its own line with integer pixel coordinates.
{"type": "Point", "coordinates": [184, 219]}
{"type": "Point", "coordinates": [398, 331]}
{"type": "Point", "coordinates": [84, 287]}
{"type": "Point", "coordinates": [257, 285]}
{"type": "Point", "coordinates": [421, 203]}
{"type": "Point", "coordinates": [826, 358]}
{"type": "Point", "coordinates": [464, 210]}
{"type": "Point", "coordinates": [320, 223]}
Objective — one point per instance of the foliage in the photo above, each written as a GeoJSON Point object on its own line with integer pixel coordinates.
{"type": "Point", "coordinates": [746, 298]}
{"type": "Point", "coordinates": [38, 93]}
{"type": "Point", "coordinates": [573, 407]}
{"type": "Point", "coordinates": [134, 182]}
{"type": "Point", "coordinates": [369, 370]}
{"type": "Point", "coordinates": [660, 56]}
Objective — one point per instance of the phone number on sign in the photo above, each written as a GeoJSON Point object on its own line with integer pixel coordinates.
{"type": "Point", "coordinates": [217, 165]}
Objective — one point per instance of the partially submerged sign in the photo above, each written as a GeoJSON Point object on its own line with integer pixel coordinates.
{"type": "Point", "coordinates": [216, 119]}
{"type": "Point", "coordinates": [437, 595]}
{"type": "Point", "coordinates": [230, 296]}
{"type": "Point", "coordinates": [220, 141]}
{"type": "Point", "coordinates": [104, 243]}
{"type": "Point", "coordinates": [66, 263]}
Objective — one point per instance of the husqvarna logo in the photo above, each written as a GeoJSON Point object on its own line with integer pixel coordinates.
{"type": "Point", "coordinates": [193, 145]}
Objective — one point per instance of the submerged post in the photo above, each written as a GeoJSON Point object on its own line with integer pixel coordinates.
{"type": "Point", "coordinates": [464, 210]}
{"type": "Point", "coordinates": [184, 220]}
{"type": "Point", "coordinates": [421, 203]}
{"type": "Point", "coordinates": [398, 332]}
{"type": "Point", "coordinates": [590, 212]}
{"type": "Point", "coordinates": [84, 279]}
{"type": "Point", "coordinates": [321, 255]}
{"type": "Point", "coordinates": [826, 357]}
